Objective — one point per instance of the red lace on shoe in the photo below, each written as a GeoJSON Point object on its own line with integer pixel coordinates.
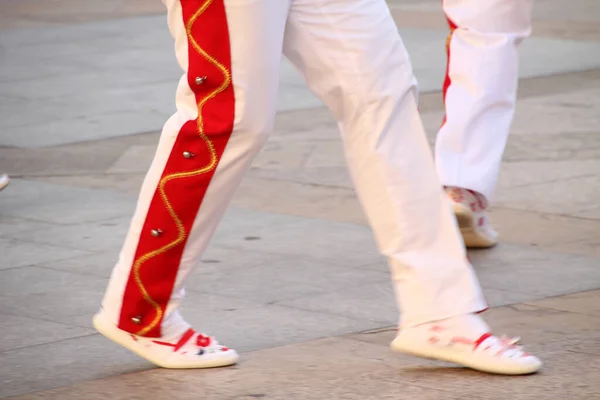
{"type": "Point", "coordinates": [176, 346]}
{"type": "Point", "coordinates": [505, 343]}
{"type": "Point", "coordinates": [202, 341]}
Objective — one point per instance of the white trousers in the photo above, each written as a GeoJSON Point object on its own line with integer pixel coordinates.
{"type": "Point", "coordinates": [352, 57]}
{"type": "Point", "coordinates": [480, 89]}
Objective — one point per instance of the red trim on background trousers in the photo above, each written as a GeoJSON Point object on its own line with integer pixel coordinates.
{"type": "Point", "coordinates": [184, 181]}
{"type": "Point", "coordinates": [447, 80]}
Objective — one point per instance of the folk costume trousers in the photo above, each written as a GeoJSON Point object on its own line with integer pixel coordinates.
{"type": "Point", "coordinates": [352, 57]}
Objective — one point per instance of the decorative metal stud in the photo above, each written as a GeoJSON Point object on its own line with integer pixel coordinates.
{"type": "Point", "coordinates": [188, 154]}
{"type": "Point", "coordinates": [200, 80]}
{"type": "Point", "coordinates": [137, 320]}
{"type": "Point", "coordinates": [156, 232]}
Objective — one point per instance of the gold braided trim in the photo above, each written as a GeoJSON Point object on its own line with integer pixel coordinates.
{"type": "Point", "coordinates": [161, 187]}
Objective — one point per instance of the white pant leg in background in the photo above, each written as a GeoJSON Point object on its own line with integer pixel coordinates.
{"type": "Point", "coordinates": [354, 60]}
{"type": "Point", "coordinates": [480, 89]}
{"type": "Point", "coordinates": [239, 38]}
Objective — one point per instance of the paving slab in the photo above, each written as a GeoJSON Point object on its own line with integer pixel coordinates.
{"type": "Point", "coordinates": [134, 159]}
{"type": "Point", "coordinates": [575, 197]}
{"type": "Point", "coordinates": [292, 237]}
{"type": "Point", "coordinates": [28, 13]}
{"type": "Point", "coordinates": [572, 112]}
{"type": "Point", "coordinates": [284, 279]}
{"type": "Point", "coordinates": [370, 371]}
{"type": "Point", "coordinates": [300, 199]}
{"type": "Point", "coordinates": [95, 264]}
{"type": "Point", "coordinates": [16, 225]}
{"type": "Point", "coordinates": [332, 290]}
{"type": "Point", "coordinates": [98, 236]}
{"type": "Point", "coordinates": [374, 301]}
{"type": "Point", "coordinates": [548, 231]}
{"type": "Point", "coordinates": [20, 332]}
{"type": "Point", "coordinates": [129, 183]}
{"type": "Point", "coordinates": [62, 205]}
{"type": "Point", "coordinates": [589, 246]}
{"type": "Point", "coordinates": [533, 172]}
{"type": "Point", "coordinates": [247, 325]}
{"type": "Point", "coordinates": [274, 374]}
{"type": "Point", "coordinates": [51, 295]}
{"type": "Point", "coordinates": [89, 88]}
{"type": "Point", "coordinates": [537, 271]}
{"type": "Point", "coordinates": [584, 302]}
{"type": "Point", "coordinates": [19, 253]}
{"type": "Point", "coordinates": [62, 363]}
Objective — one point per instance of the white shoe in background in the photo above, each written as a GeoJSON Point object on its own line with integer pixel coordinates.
{"type": "Point", "coordinates": [470, 210]}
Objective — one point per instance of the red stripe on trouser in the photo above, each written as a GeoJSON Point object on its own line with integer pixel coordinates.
{"type": "Point", "coordinates": [185, 179]}
{"type": "Point", "coordinates": [447, 80]}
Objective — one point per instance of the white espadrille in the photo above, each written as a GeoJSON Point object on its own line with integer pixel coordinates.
{"type": "Point", "coordinates": [470, 210]}
{"type": "Point", "coordinates": [190, 350]}
{"type": "Point", "coordinates": [485, 352]}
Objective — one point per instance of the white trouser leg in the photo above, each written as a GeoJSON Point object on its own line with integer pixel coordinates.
{"type": "Point", "coordinates": [230, 51]}
{"type": "Point", "coordinates": [354, 60]}
{"type": "Point", "coordinates": [480, 89]}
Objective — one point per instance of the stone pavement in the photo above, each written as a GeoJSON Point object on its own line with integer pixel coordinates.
{"type": "Point", "coordinates": [293, 268]}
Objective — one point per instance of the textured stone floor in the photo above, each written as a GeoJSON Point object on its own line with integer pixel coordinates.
{"type": "Point", "coordinates": [312, 313]}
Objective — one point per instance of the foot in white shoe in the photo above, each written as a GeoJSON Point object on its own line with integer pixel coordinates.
{"type": "Point", "coordinates": [470, 210]}
{"type": "Point", "coordinates": [463, 343]}
{"type": "Point", "coordinates": [4, 180]}
{"type": "Point", "coordinates": [189, 350]}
